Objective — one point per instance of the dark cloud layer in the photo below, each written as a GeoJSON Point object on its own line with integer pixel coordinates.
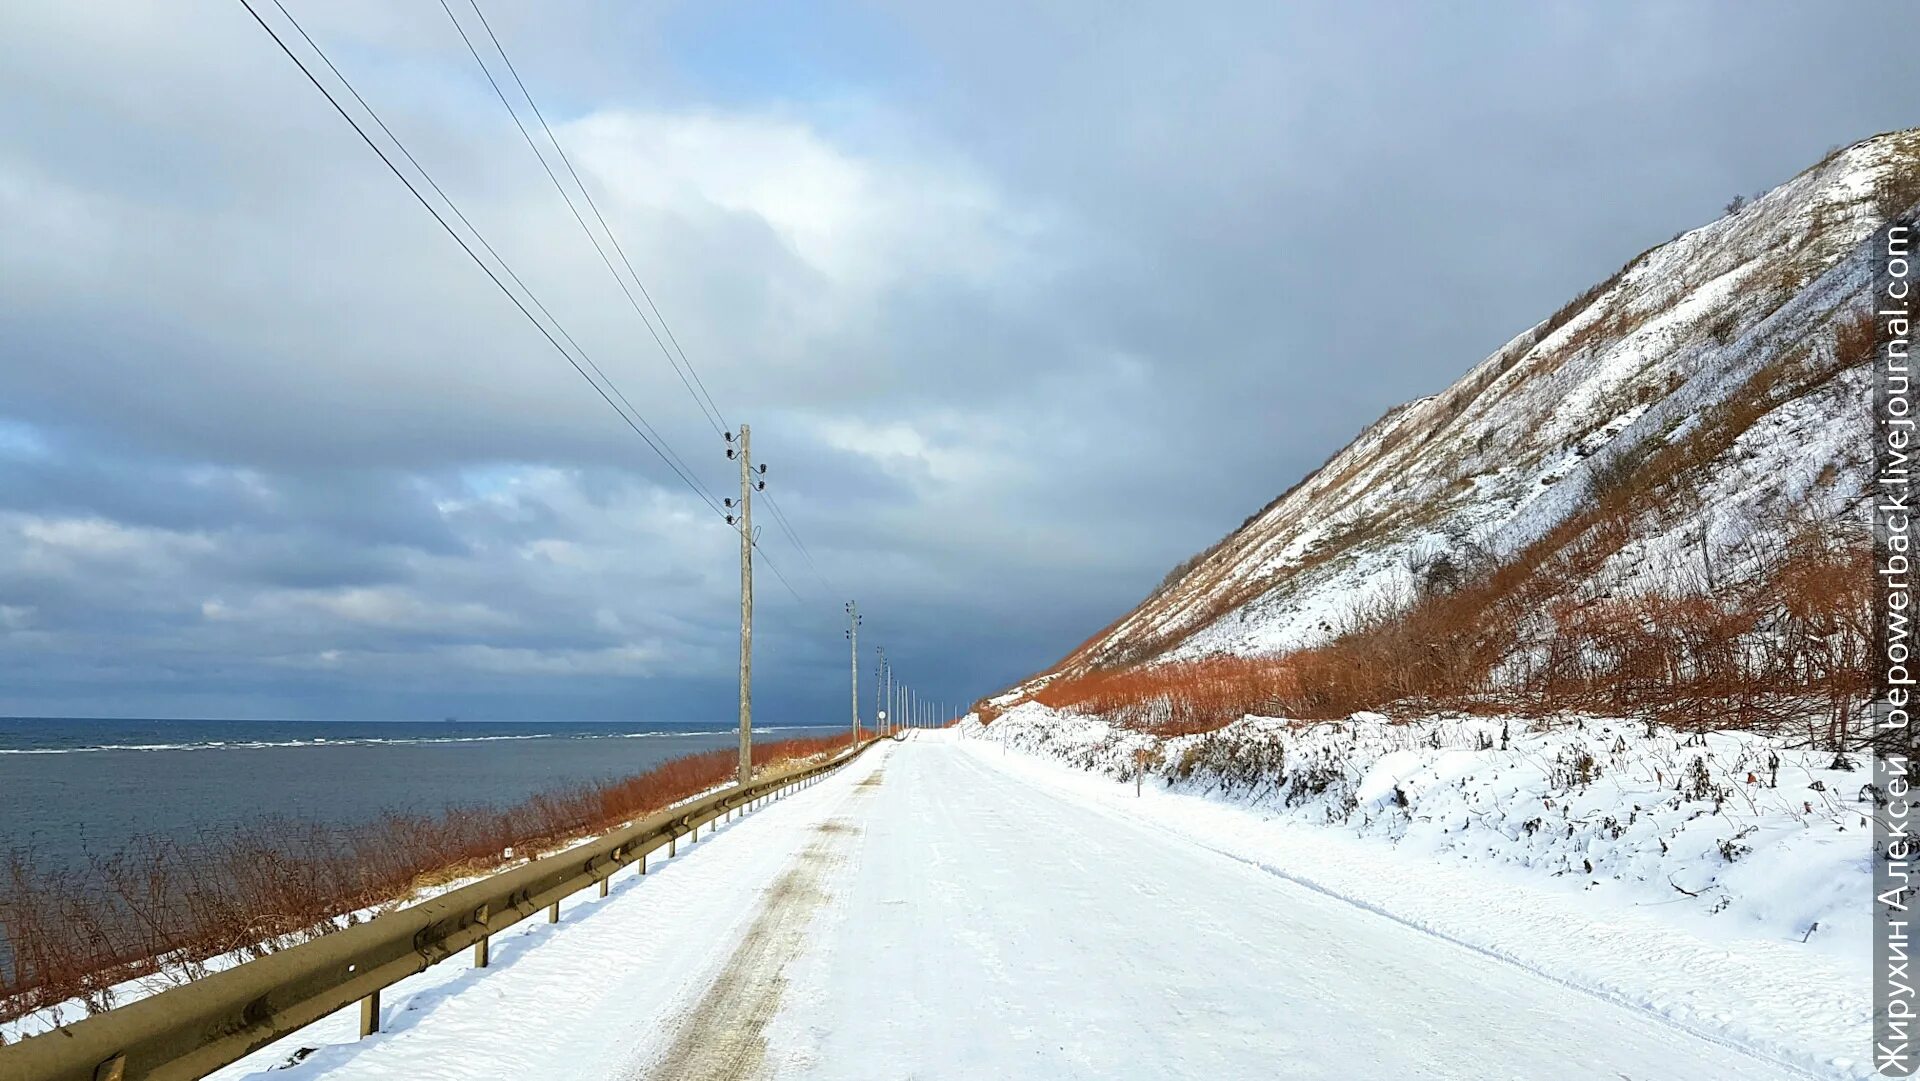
{"type": "Point", "coordinates": [1024, 306]}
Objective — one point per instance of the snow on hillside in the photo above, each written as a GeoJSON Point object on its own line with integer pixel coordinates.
{"type": "Point", "coordinates": [1733, 825]}
{"type": "Point", "coordinates": [1702, 411]}
{"type": "Point", "coordinates": [1699, 875]}
{"type": "Point", "coordinates": [1514, 447]}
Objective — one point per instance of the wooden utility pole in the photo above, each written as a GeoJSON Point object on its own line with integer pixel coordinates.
{"type": "Point", "coordinates": [853, 651]}
{"type": "Point", "coordinates": [746, 605]}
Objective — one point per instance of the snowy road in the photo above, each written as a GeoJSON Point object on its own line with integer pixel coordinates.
{"type": "Point", "coordinates": [924, 914]}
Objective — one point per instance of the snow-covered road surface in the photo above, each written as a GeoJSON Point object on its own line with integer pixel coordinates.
{"type": "Point", "coordinates": [924, 914]}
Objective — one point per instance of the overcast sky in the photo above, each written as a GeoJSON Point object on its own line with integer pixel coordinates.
{"type": "Point", "coordinates": [1025, 303]}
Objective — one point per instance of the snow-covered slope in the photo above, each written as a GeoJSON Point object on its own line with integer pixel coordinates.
{"type": "Point", "coordinates": [1524, 439]}
{"type": "Point", "coordinates": [1769, 839]}
{"type": "Point", "coordinates": [1490, 848]}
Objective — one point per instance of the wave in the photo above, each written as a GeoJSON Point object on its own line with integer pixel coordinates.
{"type": "Point", "coordinates": [387, 741]}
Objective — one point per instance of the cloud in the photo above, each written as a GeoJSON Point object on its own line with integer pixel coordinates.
{"type": "Point", "coordinates": [1023, 306]}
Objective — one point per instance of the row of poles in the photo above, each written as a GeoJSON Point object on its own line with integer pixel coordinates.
{"type": "Point", "coordinates": [896, 706]}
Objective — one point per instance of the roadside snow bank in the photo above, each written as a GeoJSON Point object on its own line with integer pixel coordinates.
{"type": "Point", "coordinates": [1721, 881]}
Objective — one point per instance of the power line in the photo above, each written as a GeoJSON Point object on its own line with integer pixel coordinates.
{"type": "Point", "coordinates": [622, 407]}
{"type": "Point", "coordinates": [557, 186]}
{"type": "Point", "coordinates": [707, 407]}
{"type": "Point", "coordinates": [551, 326]}
{"type": "Point", "coordinates": [706, 493]}
{"type": "Point", "coordinates": [776, 571]}
{"type": "Point", "coordinates": [780, 516]}
{"type": "Point", "coordinates": [660, 447]}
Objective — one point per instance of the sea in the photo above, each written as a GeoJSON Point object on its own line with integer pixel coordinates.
{"type": "Point", "coordinates": [70, 787]}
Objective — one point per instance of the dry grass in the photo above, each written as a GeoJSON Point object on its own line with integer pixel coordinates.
{"type": "Point", "coordinates": [1173, 699]}
{"type": "Point", "coordinates": [158, 904]}
{"type": "Point", "coordinates": [1789, 643]}
{"type": "Point", "coordinates": [1781, 636]}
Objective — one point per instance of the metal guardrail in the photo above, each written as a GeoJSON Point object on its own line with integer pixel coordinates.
{"type": "Point", "coordinates": [187, 1032]}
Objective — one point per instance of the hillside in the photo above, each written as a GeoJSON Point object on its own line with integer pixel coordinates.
{"type": "Point", "coordinates": [1574, 646]}
{"type": "Point", "coordinates": [1649, 495]}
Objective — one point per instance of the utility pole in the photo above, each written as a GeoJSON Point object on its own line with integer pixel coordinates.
{"type": "Point", "coordinates": [853, 652]}
{"type": "Point", "coordinates": [744, 452]}
{"type": "Point", "coordinates": [879, 683]}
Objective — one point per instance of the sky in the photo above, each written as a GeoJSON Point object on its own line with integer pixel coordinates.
{"type": "Point", "coordinates": [1025, 303]}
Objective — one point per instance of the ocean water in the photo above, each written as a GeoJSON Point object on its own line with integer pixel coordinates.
{"type": "Point", "coordinates": [68, 787]}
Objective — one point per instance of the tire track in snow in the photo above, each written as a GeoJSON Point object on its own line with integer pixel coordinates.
{"type": "Point", "coordinates": [723, 1036]}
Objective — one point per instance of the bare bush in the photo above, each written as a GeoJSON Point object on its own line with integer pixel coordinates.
{"type": "Point", "coordinates": [160, 905]}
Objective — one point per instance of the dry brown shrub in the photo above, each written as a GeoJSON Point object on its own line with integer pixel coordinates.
{"type": "Point", "coordinates": [1784, 638]}
{"type": "Point", "coordinates": [156, 904]}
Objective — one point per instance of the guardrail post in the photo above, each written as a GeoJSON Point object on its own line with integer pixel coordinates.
{"type": "Point", "coordinates": [480, 953]}
{"type": "Point", "coordinates": [603, 883]}
{"type": "Point", "coordinates": [642, 861]}
{"type": "Point", "coordinates": [553, 912]}
{"type": "Point", "coordinates": [673, 843]}
{"type": "Point", "coordinates": [370, 1015]}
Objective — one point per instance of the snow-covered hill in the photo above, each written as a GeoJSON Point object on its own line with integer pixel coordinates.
{"type": "Point", "coordinates": [1590, 622]}
{"type": "Point", "coordinates": [1743, 323]}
